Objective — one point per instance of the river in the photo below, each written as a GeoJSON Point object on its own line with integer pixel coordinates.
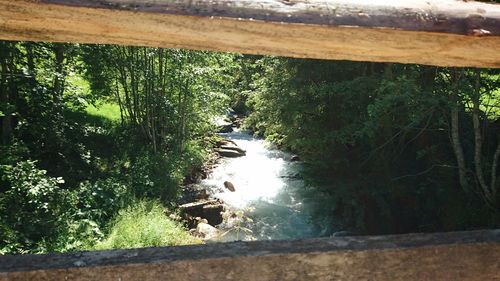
{"type": "Point", "coordinates": [268, 191]}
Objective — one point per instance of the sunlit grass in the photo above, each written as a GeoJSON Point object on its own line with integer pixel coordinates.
{"type": "Point", "coordinates": [145, 224]}
{"type": "Point", "coordinates": [109, 111]}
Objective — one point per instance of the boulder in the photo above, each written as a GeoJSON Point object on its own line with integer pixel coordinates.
{"type": "Point", "coordinates": [295, 176]}
{"type": "Point", "coordinates": [192, 193]}
{"type": "Point", "coordinates": [225, 128]}
{"type": "Point", "coordinates": [236, 120]}
{"type": "Point", "coordinates": [229, 153]}
{"type": "Point", "coordinates": [210, 210]}
{"type": "Point", "coordinates": [229, 148]}
{"type": "Point", "coordinates": [229, 186]}
{"type": "Point", "coordinates": [235, 148]}
{"type": "Point", "coordinates": [206, 231]}
{"type": "Point", "coordinates": [295, 158]}
{"type": "Point", "coordinates": [221, 142]}
{"type": "Point", "coordinates": [213, 213]}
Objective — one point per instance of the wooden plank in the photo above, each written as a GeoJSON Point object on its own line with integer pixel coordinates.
{"type": "Point", "coordinates": [471, 255]}
{"type": "Point", "coordinates": [434, 32]}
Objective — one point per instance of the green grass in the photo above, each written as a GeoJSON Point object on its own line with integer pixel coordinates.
{"type": "Point", "coordinates": [144, 224]}
{"type": "Point", "coordinates": [108, 111]}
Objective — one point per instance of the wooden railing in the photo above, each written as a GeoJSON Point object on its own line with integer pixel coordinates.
{"type": "Point", "coordinates": [435, 32]}
{"type": "Point", "coordinates": [473, 255]}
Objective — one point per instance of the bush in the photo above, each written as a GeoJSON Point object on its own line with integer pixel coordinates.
{"type": "Point", "coordinates": [37, 215]}
{"type": "Point", "coordinates": [154, 176]}
{"type": "Point", "coordinates": [160, 175]}
{"type": "Point", "coordinates": [144, 224]}
{"type": "Point", "coordinates": [101, 200]}
{"type": "Point", "coordinates": [34, 211]}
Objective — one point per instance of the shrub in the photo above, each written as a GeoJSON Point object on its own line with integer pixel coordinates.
{"type": "Point", "coordinates": [34, 211]}
{"type": "Point", "coordinates": [144, 224]}
{"type": "Point", "coordinates": [101, 200]}
{"type": "Point", "coordinates": [155, 176]}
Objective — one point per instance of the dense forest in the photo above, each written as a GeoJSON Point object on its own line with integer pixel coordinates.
{"type": "Point", "coordinates": [393, 148]}
{"type": "Point", "coordinates": [97, 141]}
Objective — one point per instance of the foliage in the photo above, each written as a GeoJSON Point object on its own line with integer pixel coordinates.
{"type": "Point", "coordinates": [34, 195]}
{"type": "Point", "coordinates": [118, 124]}
{"type": "Point", "coordinates": [144, 224]}
{"type": "Point", "coordinates": [155, 176]}
{"type": "Point", "coordinates": [376, 139]}
{"type": "Point", "coordinates": [87, 131]}
{"type": "Point", "coordinates": [100, 201]}
{"type": "Point", "coordinates": [168, 96]}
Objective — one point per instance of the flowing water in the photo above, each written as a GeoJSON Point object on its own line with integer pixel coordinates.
{"type": "Point", "coordinates": [268, 191]}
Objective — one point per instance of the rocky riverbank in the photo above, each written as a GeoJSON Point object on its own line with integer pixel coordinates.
{"type": "Point", "coordinates": [202, 212]}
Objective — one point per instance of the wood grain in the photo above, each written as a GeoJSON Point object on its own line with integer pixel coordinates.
{"type": "Point", "coordinates": [443, 33]}
{"type": "Point", "coordinates": [440, 256]}
{"type": "Point", "coordinates": [449, 16]}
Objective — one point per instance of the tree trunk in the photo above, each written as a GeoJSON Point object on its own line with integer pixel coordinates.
{"type": "Point", "coordinates": [59, 77]}
{"type": "Point", "coordinates": [31, 65]}
{"type": "Point", "coordinates": [5, 99]}
{"type": "Point", "coordinates": [8, 90]}
{"type": "Point", "coordinates": [478, 142]}
{"type": "Point", "coordinates": [120, 104]}
{"type": "Point", "coordinates": [455, 134]}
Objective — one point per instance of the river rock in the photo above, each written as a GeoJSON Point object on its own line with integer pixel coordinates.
{"type": "Point", "coordinates": [233, 147]}
{"type": "Point", "coordinates": [206, 231]}
{"type": "Point", "coordinates": [193, 193]}
{"type": "Point", "coordinates": [222, 142]}
{"type": "Point", "coordinates": [236, 120]}
{"type": "Point", "coordinates": [225, 128]}
{"type": "Point", "coordinates": [295, 158]}
{"type": "Point", "coordinates": [210, 210]}
{"type": "Point", "coordinates": [229, 153]}
{"type": "Point", "coordinates": [295, 176]}
{"type": "Point", "coordinates": [228, 148]}
{"type": "Point", "coordinates": [229, 186]}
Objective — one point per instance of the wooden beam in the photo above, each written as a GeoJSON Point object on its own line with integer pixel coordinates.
{"type": "Point", "coordinates": [471, 255]}
{"type": "Point", "coordinates": [434, 32]}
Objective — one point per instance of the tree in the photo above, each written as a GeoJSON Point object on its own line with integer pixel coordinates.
{"type": "Point", "coordinates": [472, 90]}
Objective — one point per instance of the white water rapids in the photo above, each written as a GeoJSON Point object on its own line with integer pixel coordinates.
{"type": "Point", "coordinates": [267, 190]}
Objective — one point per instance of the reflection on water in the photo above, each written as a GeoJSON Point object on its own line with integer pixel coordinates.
{"type": "Point", "coordinates": [267, 189]}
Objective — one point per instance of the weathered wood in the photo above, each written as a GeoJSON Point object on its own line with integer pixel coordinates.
{"type": "Point", "coordinates": [471, 255]}
{"type": "Point", "coordinates": [435, 32]}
